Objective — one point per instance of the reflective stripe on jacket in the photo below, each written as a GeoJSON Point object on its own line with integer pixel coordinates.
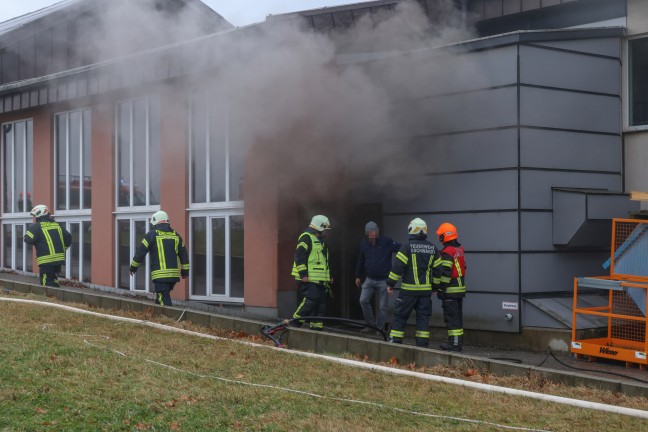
{"type": "Point", "coordinates": [311, 259]}
{"type": "Point", "coordinates": [50, 241]}
{"type": "Point", "coordinates": [451, 279]}
{"type": "Point", "coordinates": [166, 248]}
{"type": "Point", "coordinates": [414, 264]}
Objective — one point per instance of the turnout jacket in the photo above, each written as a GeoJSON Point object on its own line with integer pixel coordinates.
{"type": "Point", "coordinates": [450, 279]}
{"type": "Point", "coordinates": [311, 258]}
{"type": "Point", "coordinates": [49, 239]}
{"type": "Point", "coordinates": [414, 263]}
{"type": "Point", "coordinates": [166, 248]}
{"type": "Point", "coordinates": [375, 259]}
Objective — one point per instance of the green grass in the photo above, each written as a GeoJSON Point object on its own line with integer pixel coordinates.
{"type": "Point", "coordinates": [61, 371]}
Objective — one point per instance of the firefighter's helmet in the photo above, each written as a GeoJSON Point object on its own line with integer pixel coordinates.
{"type": "Point", "coordinates": [159, 217]}
{"type": "Point", "coordinates": [40, 210]}
{"type": "Point", "coordinates": [447, 232]}
{"type": "Point", "coordinates": [320, 223]}
{"type": "Point", "coordinates": [417, 226]}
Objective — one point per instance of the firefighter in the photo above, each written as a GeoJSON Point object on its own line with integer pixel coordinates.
{"type": "Point", "coordinates": [311, 271]}
{"type": "Point", "coordinates": [413, 263]}
{"type": "Point", "coordinates": [450, 285]}
{"type": "Point", "coordinates": [166, 248]}
{"type": "Point", "coordinates": [51, 241]}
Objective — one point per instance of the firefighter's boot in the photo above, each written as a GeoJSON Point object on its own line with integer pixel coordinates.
{"type": "Point", "coordinates": [454, 344]}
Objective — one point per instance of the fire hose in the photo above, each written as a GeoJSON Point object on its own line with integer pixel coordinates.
{"type": "Point", "coordinates": [276, 332]}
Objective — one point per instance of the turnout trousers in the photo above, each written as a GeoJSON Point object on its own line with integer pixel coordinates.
{"type": "Point", "coordinates": [403, 306]}
{"type": "Point", "coordinates": [313, 303]}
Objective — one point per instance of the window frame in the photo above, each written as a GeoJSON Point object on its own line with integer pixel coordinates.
{"type": "Point", "coordinates": [627, 85]}
{"type": "Point", "coordinates": [13, 222]}
{"type": "Point", "coordinates": [133, 217]}
{"type": "Point", "coordinates": [12, 213]}
{"type": "Point", "coordinates": [83, 169]}
{"type": "Point", "coordinates": [66, 220]}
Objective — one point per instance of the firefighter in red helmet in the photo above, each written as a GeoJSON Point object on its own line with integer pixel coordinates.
{"type": "Point", "coordinates": [450, 284]}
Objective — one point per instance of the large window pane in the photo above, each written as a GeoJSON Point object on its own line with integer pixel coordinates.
{"type": "Point", "coordinates": [74, 254]}
{"type": "Point", "coordinates": [7, 242]}
{"type": "Point", "coordinates": [237, 255]}
{"type": "Point", "coordinates": [199, 149]}
{"type": "Point", "coordinates": [19, 247]}
{"type": "Point", "coordinates": [87, 160]}
{"type": "Point", "coordinates": [87, 250]}
{"type": "Point", "coordinates": [218, 256]}
{"type": "Point", "coordinates": [154, 152]}
{"type": "Point", "coordinates": [123, 149]}
{"type": "Point", "coordinates": [61, 161]}
{"type": "Point", "coordinates": [199, 256]}
{"type": "Point", "coordinates": [7, 181]}
{"type": "Point", "coordinates": [123, 253]}
{"type": "Point", "coordinates": [217, 152]}
{"type": "Point", "coordinates": [140, 276]}
{"type": "Point", "coordinates": [75, 160]}
{"type": "Point", "coordinates": [140, 136]}
{"type": "Point", "coordinates": [29, 151]}
{"type": "Point", "coordinates": [638, 53]}
{"type": "Point", "coordinates": [19, 166]}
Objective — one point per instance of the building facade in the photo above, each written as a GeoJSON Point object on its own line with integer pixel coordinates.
{"type": "Point", "coordinates": [527, 136]}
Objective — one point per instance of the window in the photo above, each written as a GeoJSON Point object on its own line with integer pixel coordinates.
{"type": "Point", "coordinates": [138, 152]}
{"type": "Point", "coordinates": [216, 165]}
{"type": "Point", "coordinates": [217, 257]}
{"type": "Point", "coordinates": [73, 166]}
{"type": "Point", "coordinates": [17, 155]}
{"type": "Point", "coordinates": [16, 255]}
{"type": "Point", "coordinates": [638, 81]}
{"type": "Point", "coordinates": [17, 184]}
{"type": "Point", "coordinates": [79, 255]}
{"type": "Point", "coordinates": [130, 232]}
{"type": "Point", "coordinates": [216, 193]}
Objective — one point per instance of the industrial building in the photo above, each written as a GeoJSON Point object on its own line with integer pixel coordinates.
{"type": "Point", "coordinates": [520, 121]}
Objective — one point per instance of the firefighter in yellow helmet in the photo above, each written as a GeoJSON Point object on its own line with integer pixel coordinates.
{"type": "Point", "coordinates": [311, 271]}
{"type": "Point", "coordinates": [166, 248]}
{"type": "Point", "coordinates": [413, 263]}
{"type": "Point", "coordinates": [450, 284]}
{"type": "Point", "coordinates": [51, 241]}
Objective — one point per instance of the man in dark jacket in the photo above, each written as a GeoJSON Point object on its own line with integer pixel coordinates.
{"type": "Point", "coordinates": [374, 261]}
{"type": "Point", "coordinates": [413, 263]}
{"type": "Point", "coordinates": [166, 247]}
{"type": "Point", "coordinates": [51, 241]}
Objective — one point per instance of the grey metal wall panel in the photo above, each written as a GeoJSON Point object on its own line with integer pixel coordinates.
{"type": "Point", "coordinates": [544, 272]}
{"type": "Point", "coordinates": [561, 69]}
{"type": "Point", "coordinates": [569, 214]}
{"type": "Point", "coordinates": [484, 109]}
{"type": "Point", "coordinates": [444, 73]}
{"type": "Point", "coordinates": [457, 192]}
{"type": "Point", "coordinates": [606, 47]}
{"type": "Point", "coordinates": [536, 186]}
{"type": "Point", "coordinates": [470, 151]}
{"type": "Point", "coordinates": [610, 206]}
{"type": "Point", "coordinates": [500, 236]}
{"type": "Point", "coordinates": [485, 312]}
{"type": "Point", "coordinates": [534, 231]}
{"type": "Point", "coordinates": [492, 272]}
{"type": "Point", "coordinates": [568, 110]}
{"type": "Point", "coordinates": [543, 148]}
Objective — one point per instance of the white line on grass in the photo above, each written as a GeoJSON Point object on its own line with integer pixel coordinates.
{"type": "Point", "coordinates": [479, 386]}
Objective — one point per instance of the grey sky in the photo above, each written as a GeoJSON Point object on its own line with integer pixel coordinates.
{"type": "Point", "coordinates": [238, 12]}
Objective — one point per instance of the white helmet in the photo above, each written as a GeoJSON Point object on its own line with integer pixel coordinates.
{"type": "Point", "coordinates": [40, 210]}
{"type": "Point", "coordinates": [417, 226]}
{"type": "Point", "coordinates": [320, 223]}
{"type": "Point", "coordinates": [159, 217]}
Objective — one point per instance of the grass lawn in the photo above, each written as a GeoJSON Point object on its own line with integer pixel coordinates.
{"type": "Point", "coordinates": [62, 371]}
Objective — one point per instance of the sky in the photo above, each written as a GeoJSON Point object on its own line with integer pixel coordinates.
{"type": "Point", "coordinates": [238, 12]}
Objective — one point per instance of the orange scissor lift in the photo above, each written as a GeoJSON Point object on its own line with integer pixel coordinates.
{"type": "Point", "coordinates": [627, 289]}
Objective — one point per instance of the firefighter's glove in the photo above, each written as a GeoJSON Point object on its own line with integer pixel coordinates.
{"type": "Point", "coordinates": [328, 289]}
{"type": "Point", "coordinates": [133, 270]}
